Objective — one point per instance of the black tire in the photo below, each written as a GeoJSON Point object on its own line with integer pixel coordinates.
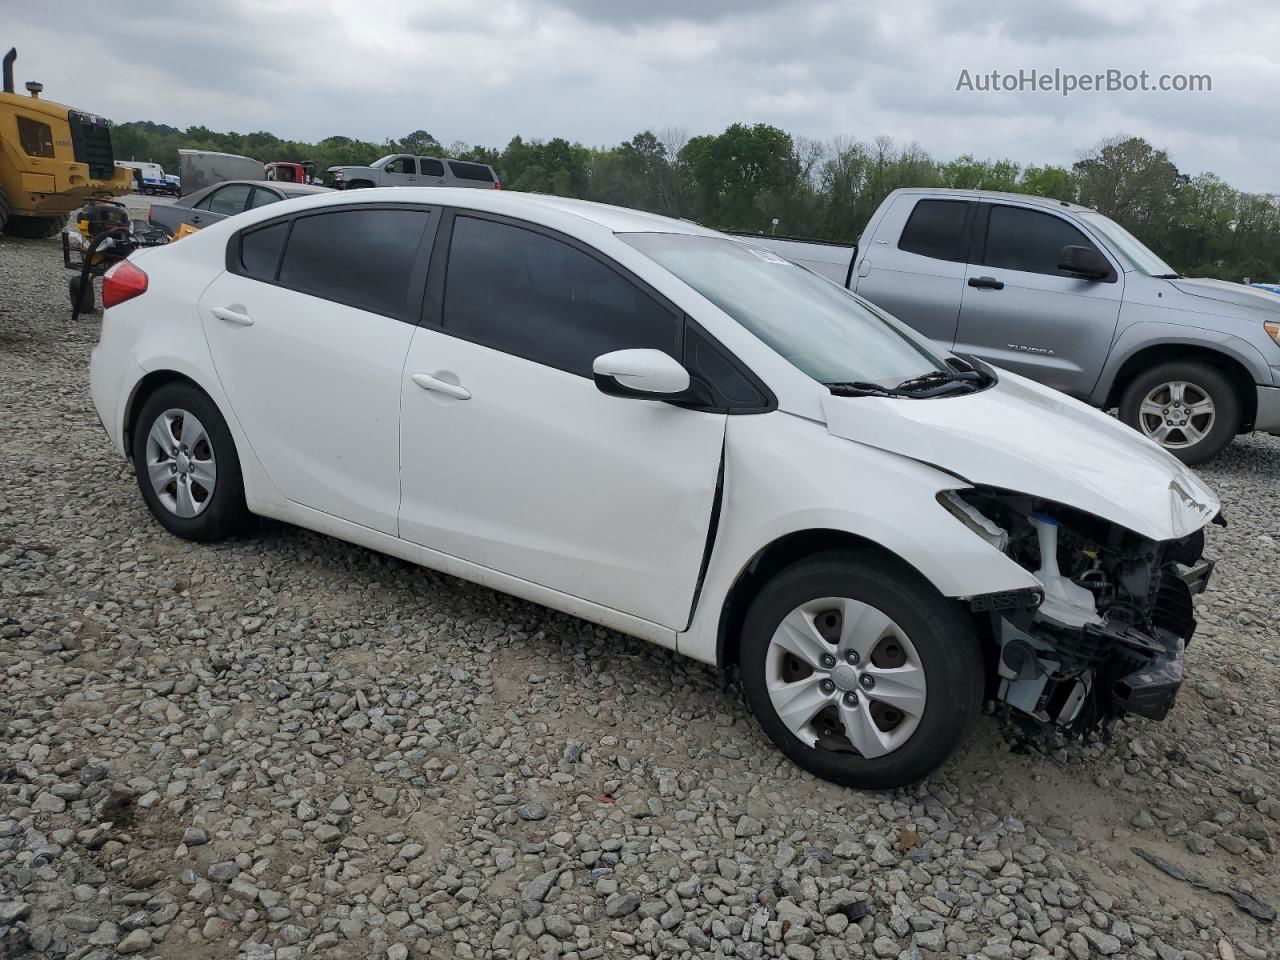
{"type": "Point", "coordinates": [942, 634]}
{"type": "Point", "coordinates": [4, 209]}
{"type": "Point", "coordinates": [224, 514]}
{"type": "Point", "coordinates": [87, 304]}
{"type": "Point", "coordinates": [359, 185]}
{"type": "Point", "coordinates": [35, 228]}
{"type": "Point", "coordinates": [1208, 381]}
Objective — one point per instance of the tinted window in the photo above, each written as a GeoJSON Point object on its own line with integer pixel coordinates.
{"type": "Point", "coordinates": [359, 257]}
{"type": "Point", "coordinates": [1021, 239]}
{"type": "Point", "coordinates": [431, 168]}
{"type": "Point", "coordinates": [730, 387]}
{"type": "Point", "coordinates": [402, 165]}
{"type": "Point", "coordinates": [262, 197]}
{"type": "Point", "coordinates": [470, 171]}
{"type": "Point", "coordinates": [936, 229]}
{"type": "Point", "coordinates": [260, 250]}
{"type": "Point", "coordinates": [531, 295]}
{"type": "Point", "coordinates": [36, 138]}
{"type": "Point", "coordinates": [228, 200]}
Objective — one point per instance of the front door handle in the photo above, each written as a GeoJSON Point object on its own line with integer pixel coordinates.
{"type": "Point", "coordinates": [233, 315]}
{"type": "Point", "coordinates": [986, 283]}
{"type": "Point", "coordinates": [428, 382]}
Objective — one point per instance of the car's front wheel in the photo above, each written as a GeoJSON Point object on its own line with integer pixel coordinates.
{"type": "Point", "coordinates": [1190, 409]}
{"type": "Point", "coordinates": [859, 670]}
{"type": "Point", "coordinates": [185, 460]}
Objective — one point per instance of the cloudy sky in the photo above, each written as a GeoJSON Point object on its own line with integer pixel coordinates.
{"type": "Point", "coordinates": [600, 70]}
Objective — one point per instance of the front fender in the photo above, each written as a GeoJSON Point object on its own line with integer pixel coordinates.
{"type": "Point", "coordinates": [785, 475]}
{"type": "Point", "coordinates": [1138, 336]}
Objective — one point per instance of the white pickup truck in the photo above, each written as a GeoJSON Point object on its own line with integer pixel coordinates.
{"type": "Point", "coordinates": [1063, 295]}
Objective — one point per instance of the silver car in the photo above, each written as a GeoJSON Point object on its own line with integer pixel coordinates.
{"type": "Point", "coordinates": [224, 200]}
{"type": "Point", "coordinates": [404, 170]}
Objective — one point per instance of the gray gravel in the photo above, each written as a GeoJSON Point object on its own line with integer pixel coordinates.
{"type": "Point", "coordinates": [287, 746]}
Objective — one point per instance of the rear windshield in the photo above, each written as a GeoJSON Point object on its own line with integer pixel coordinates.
{"type": "Point", "coordinates": [471, 171]}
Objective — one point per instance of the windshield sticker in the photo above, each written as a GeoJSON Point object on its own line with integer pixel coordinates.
{"type": "Point", "coordinates": [766, 256]}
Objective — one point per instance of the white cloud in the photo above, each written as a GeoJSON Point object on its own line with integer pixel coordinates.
{"type": "Point", "coordinates": [601, 70]}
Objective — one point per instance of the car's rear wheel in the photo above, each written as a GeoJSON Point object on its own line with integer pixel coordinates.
{"type": "Point", "coordinates": [1190, 409]}
{"type": "Point", "coordinates": [185, 460]}
{"type": "Point", "coordinates": [859, 670]}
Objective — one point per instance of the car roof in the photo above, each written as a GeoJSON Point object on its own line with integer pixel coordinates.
{"type": "Point", "coordinates": [1026, 198]}
{"type": "Point", "coordinates": [534, 206]}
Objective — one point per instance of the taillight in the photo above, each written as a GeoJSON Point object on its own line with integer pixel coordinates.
{"type": "Point", "coordinates": [497, 185]}
{"type": "Point", "coordinates": [122, 282]}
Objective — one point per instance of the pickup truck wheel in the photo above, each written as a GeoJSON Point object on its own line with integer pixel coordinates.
{"type": "Point", "coordinates": [1190, 409]}
{"type": "Point", "coordinates": [859, 670]}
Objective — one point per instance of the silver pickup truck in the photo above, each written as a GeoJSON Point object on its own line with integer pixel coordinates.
{"type": "Point", "coordinates": [1063, 295]}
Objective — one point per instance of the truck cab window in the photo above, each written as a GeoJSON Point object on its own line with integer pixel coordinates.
{"type": "Point", "coordinates": [1030, 241]}
{"type": "Point", "coordinates": [937, 229]}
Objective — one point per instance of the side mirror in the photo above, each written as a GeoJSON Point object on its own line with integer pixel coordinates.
{"type": "Point", "coordinates": [640, 374]}
{"type": "Point", "coordinates": [1084, 262]}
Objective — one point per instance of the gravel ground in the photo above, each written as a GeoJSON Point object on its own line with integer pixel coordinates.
{"type": "Point", "coordinates": [288, 746]}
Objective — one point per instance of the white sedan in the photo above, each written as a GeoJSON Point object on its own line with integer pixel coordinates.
{"type": "Point", "coordinates": [672, 433]}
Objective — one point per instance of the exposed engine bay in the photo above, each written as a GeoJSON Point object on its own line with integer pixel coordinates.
{"type": "Point", "coordinates": [1106, 635]}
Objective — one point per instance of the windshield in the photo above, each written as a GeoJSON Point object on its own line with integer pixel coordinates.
{"type": "Point", "coordinates": [1137, 252]}
{"type": "Point", "coordinates": [381, 160]}
{"type": "Point", "coordinates": [817, 326]}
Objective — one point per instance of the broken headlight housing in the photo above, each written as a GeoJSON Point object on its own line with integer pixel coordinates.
{"type": "Point", "coordinates": [1107, 634]}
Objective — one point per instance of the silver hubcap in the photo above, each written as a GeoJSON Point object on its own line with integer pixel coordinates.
{"type": "Point", "coordinates": [180, 463]}
{"type": "Point", "coordinates": [1177, 414]}
{"type": "Point", "coordinates": [844, 677]}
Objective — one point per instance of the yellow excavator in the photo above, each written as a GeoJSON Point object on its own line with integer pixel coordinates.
{"type": "Point", "coordinates": [52, 159]}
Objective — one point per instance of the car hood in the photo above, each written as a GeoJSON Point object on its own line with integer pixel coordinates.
{"type": "Point", "coordinates": [1235, 294]}
{"type": "Point", "coordinates": [1021, 436]}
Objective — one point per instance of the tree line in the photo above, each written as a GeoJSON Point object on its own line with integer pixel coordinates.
{"type": "Point", "coordinates": [750, 175]}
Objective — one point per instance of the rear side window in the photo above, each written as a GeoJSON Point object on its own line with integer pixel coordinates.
{"type": "Point", "coordinates": [536, 297]}
{"type": "Point", "coordinates": [936, 228]}
{"type": "Point", "coordinates": [363, 258]}
{"type": "Point", "coordinates": [261, 197]}
{"type": "Point", "coordinates": [36, 138]}
{"type": "Point", "coordinates": [260, 251]}
{"type": "Point", "coordinates": [228, 200]}
{"type": "Point", "coordinates": [431, 168]}
{"type": "Point", "coordinates": [471, 171]}
{"type": "Point", "coordinates": [1027, 240]}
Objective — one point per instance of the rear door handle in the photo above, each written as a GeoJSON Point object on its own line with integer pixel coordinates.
{"type": "Point", "coordinates": [986, 283]}
{"type": "Point", "coordinates": [232, 315]}
{"type": "Point", "coordinates": [428, 382]}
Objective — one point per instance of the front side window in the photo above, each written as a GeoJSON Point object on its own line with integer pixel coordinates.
{"type": "Point", "coordinates": [818, 327]}
{"type": "Point", "coordinates": [402, 165]}
{"type": "Point", "coordinates": [936, 228]}
{"type": "Point", "coordinates": [1143, 258]}
{"type": "Point", "coordinates": [36, 137]}
{"type": "Point", "coordinates": [363, 258]}
{"type": "Point", "coordinates": [228, 200]}
{"type": "Point", "coordinates": [1030, 241]}
{"type": "Point", "coordinates": [536, 297]}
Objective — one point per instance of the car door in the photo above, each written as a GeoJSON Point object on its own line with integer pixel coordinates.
{"type": "Point", "coordinates": [400, 172]}
{"type": "Point", "coordinates": [915, 266]}
{"type": "Point", "coordinates": [1021, 312]}
{"type": "Point", "coordinates": [430, 172]}
{"type": "Point", "coordinates": [512, 459]}
{"type": "Point", "coordinates": [225, 201]}
{"type": "Point", "coordinates": [308, 330]}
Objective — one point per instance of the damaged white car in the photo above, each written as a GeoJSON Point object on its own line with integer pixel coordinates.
{"type": "Point", "coordinates": [672, 433]}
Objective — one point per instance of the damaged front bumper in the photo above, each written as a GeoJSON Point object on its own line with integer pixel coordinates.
{"type": "Point", "coordinates": [1082, 678]}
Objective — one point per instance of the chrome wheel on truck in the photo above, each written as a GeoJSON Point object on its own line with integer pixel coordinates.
{"type": "Point", "coordinates": [1190, 409]}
